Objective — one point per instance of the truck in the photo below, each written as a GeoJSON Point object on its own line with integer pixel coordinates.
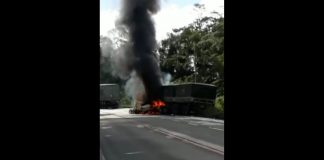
{"type": "Point", "coordinates": [188, 99]}
{"type": "Point", "coordinates": [185, 99]}
{"type": "Point", "coordinates": [109, 96]}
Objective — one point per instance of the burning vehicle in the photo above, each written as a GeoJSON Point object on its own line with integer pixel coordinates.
{"type": "Point", "coordinates": [141, 106]}
{"type": "Point", "coordinates": [179, 99]}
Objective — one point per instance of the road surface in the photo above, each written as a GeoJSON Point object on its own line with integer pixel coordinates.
{"type": "Point", "coordinates": [144, 137]}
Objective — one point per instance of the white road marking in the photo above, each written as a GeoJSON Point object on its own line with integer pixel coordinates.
{"type": "Point", "coordinates": [102, 157]}
{"type": "Point", "coordinates": [207, 123]}
{"type": "Point", "coordinates": [216, 128]}
{"type": "Point", "coordinates": [193, 124]}
{"type": "Point", "coordinates": [169, 137]}
{"type": "Point", "coordinates": [138, 152]}
{"type": "Point", "coordinates": [200, 119]}
{"type": "Point", "coordinates": [109, 117]}
{"type": "Point", "coordinates": [106, 127]}
{"type": "Point", "coordinates": [126, 116]}
{"type": "Point", "coordinates": [140, 126]}
{"type": "Point", "coordinates": [191, 140]}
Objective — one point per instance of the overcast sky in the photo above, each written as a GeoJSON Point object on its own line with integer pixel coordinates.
{"type": "Point", "coordinates": [172, 14]}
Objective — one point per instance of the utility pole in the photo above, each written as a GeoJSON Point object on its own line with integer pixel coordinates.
{"type": "Point", "coordinates": [195, 67]}
{"type": "Point", "coordinates": [195, 63]}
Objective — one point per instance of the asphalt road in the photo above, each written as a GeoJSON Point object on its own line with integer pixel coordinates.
{"type": "Point", "coordinates": [142, 137]}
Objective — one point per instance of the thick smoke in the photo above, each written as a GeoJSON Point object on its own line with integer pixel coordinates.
{"type": "Point", "coordinates": [106, 47]}
{"type": "Point", "coordinates": [106, 52]}
{"type": "Point", "coordinates": [134, 87]}
{"type": "Point", "coordinates": [166, 78]}
{"type": "Point", "coordinates": [119, 60]}
{"type": "Point", "coordinates": [136, 59]}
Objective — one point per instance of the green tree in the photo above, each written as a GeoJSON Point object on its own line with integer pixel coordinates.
{"type": "Point", "coordinates": [195, 53]}
{"type": "Point", "coordinates": [106, 51]}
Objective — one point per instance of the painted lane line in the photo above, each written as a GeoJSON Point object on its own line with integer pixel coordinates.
{"type": "Point", "coordinates": [138, 152]}
{"type": "Point", "coordinates": [185, 138]}
{"type": "Point", "coordinates": [140, 126]}
{"type": "Point", "coordinates": [169, 137]}
{"type": "Point", "coordinates": [216, 128]}
{"type": "Point", "coordinates": [193, 124]}
{"type": "Point", "coordinates": [102, 157]}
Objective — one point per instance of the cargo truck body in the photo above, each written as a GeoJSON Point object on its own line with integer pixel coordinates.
{"type": "Point", "coordinates": [109, 96]}
{"type": "Point", "coordinates": [188, 99]}
{"type": "Point", "coordinates": [184, 99]}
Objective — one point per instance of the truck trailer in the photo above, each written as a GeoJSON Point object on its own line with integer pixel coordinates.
{"type": "Point", "coordinates": [184, 99]}
{"type": "Point", "coordinates": [109, 96]}
{"type": "Point", "coordinates": [188, 99]}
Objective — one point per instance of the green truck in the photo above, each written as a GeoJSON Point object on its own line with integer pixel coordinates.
{"type": "Point", "coordinates": [188, 99]}
{"type": "Point", "coordinates": [109, 96]}
{"type": "Point", "coordinates": [183, 99]}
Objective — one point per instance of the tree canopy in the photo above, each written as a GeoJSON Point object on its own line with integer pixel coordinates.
{"type": "Point", "coordinates": [195, 53]}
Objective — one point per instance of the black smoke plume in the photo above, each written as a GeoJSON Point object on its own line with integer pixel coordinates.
{"type": "Point", "coordinates": [136, 21]}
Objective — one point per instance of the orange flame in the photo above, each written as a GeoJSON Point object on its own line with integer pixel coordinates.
{"type": "Point", "coordinates": [158, 104]}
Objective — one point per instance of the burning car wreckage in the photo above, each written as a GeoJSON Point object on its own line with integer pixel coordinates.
{"type": "Point", "coordinates": [137, 63]}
